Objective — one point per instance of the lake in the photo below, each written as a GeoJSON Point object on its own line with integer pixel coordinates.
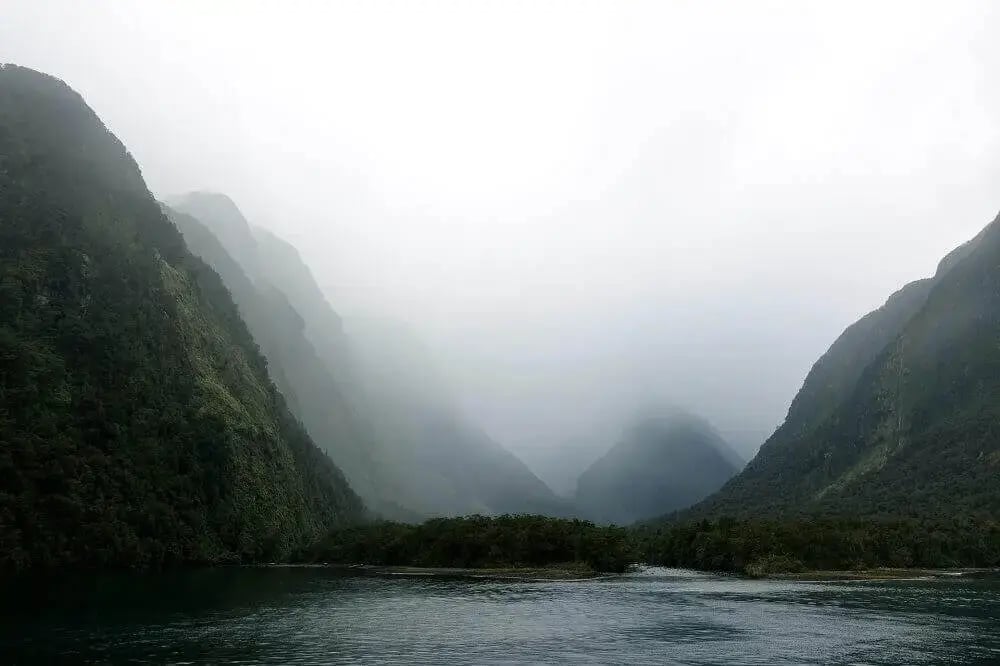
{"type": "Point", "coordinates": [282, 615]}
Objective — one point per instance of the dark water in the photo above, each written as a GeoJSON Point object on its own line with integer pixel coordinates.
{"type": "Point", "coordinates": [658, 616]}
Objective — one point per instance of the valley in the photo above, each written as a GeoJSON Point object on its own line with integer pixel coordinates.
{"type": "Point", "coordinates": [499, 333]}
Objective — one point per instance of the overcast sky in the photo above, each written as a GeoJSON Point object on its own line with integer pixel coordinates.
{"type": "Point", "coordinates": [581, 206]}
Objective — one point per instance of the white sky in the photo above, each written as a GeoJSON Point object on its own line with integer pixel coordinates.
{"type": "Point", "coordinates": [579, 204]}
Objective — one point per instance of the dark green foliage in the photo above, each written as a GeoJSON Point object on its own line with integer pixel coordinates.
{"type": "Point", "coordinates": [478, 542]}
{"type": "Point", "coordinates": [138, 425]}
{"type": "Point", "coordinates": [901, 416]}
{"type": "Point", "coordinates": [661, 464]}
{"type": "Point", "coordinates": [761, 547]}
{"type": "Point", "coordinates": [753, 547]}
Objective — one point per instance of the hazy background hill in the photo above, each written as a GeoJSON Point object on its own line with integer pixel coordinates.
{"type": "Point", "coordinates": [442, 462]}
{"type": "Point", "coordinates": [138, 425]}
{"type": "Point", "coordinates": [664, 461]}
{"type": "Point", "coordinates": [900, 416]}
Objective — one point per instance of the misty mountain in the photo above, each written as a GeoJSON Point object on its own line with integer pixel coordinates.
{"type": "Point", "coordinates": [269, 260]}
{"type": "Point", "coordinates": [661, 463]}
{"type": "Point", "coordinates": [372, 398]}
{"type": "Point", "coordinates": [443, 464]}
{"type": "Point", "coordinates": [301, 375]}
{"type": "Point", "coordinates": [139, 424]}
{"type": "Point", "coordinates": [901, 414]}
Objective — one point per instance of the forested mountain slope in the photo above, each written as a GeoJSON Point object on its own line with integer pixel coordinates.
{"type": "Point", "coordinates": [303, 377]}
{"type": "Point", "coordinates": [369, 395]}
{"type": "Point", "coordinates": [902, 415]}
{"type": "Point", "coordinates": [662, 463]}
{"type": "Point", "coordinates": [138, 424]}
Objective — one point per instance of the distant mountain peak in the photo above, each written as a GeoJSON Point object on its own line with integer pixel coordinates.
{"type": "Point", "coordinates": [667, 459]}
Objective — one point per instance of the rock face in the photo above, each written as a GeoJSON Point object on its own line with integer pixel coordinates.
{"type": "Point", "coordinates": [366, 389]}
{"type": "Point", "coordinates": [901, 415]}
{"type": "Point", "coordinates": [138, 423]}
{"type": "Point", "coordinates": [661, 464]}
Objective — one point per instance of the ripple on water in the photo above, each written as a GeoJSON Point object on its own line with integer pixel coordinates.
{"type": "Point", "coordinates": [655, 616]}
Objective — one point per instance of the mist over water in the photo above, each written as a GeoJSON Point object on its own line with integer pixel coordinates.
{"type": "Point", "coordinates": [581, 208]}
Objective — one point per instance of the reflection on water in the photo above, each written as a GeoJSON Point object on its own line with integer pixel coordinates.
{"type": "Point", "coordinates": [657, 616]}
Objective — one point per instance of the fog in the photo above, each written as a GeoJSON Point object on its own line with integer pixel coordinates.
{"type": "Point", "coordinates": [583, 208]}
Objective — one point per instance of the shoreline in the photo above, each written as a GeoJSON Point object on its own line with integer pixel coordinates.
{"type": "Point", "coordinates": [583, 573]}
{"type": "Point", "coordinates": [881, 574]}
{"type": "Point", "coordinates": [555, 573]}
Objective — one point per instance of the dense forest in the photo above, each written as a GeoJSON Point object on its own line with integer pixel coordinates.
{"type": "Point", "coordinates": [760, 547]}
{"type": "Point", "coordinates": [480, 541]}
{"type": "Point", "coordinates": [137, 419]}
{"type": "Point", "coordinates": [750, 547]}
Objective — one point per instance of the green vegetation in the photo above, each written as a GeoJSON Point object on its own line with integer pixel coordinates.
{"type": "Point", "coordinates": [763, 547]}
{"type": "Point", "coordinates": [748, 547]}
{"type": "Point", "coordinates": [138, 425]}
{"type": "Point", "coordinates": [480, 542]}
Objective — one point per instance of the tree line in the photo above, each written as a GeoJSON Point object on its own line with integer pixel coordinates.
{"type": "Point", "coordinates": [480, 542]}
{"type": "Point", "coordinates": [751, 547]}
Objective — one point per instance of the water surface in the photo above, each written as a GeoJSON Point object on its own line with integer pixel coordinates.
{"type": "Point", "coordinates": [657, 616]}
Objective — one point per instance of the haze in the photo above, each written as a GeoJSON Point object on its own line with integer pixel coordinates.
{"type": "Point", "coordinates": [583, 208]}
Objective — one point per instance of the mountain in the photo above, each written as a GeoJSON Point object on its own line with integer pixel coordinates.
{"type": "Point", "coordinates": [138, 423]}
{"type": "Point", "coordinates": [441, 463]}
{"type": "Point", "coordinates": [901, 415]}
{"type": "Point", "coordinates": [285, 269]}
{"type": "Point", "coordinates": [662, 463]}
{"type": "Point", "coordinates": [302, 375]}
{"type": "Point", "coordinates": [366, 389]}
